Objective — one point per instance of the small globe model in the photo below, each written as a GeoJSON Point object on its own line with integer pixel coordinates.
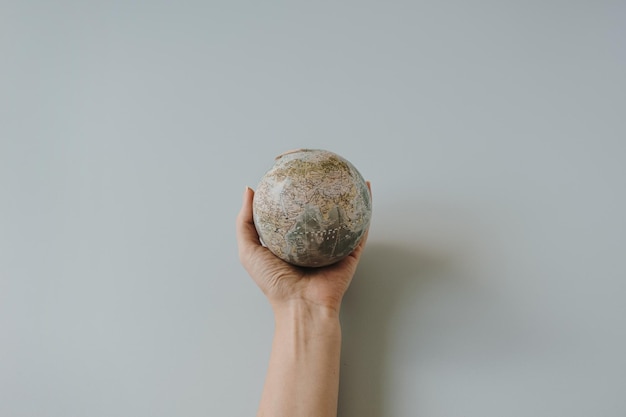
{"type": "Point", "coordinates": [312, 208]}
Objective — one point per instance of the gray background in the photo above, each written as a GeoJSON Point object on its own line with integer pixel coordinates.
{"type": "Point", "coordinates": [494, 136]}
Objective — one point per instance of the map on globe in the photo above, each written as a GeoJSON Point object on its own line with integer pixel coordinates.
{"type": "Point", "coordinates": [312, 207]}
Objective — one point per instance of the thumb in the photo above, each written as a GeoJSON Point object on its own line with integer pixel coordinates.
{"type": "Point", "coordinates": [247, 236]}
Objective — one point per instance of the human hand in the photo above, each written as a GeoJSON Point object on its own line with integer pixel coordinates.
{"type": "Point", "coordinates": [285, 284]}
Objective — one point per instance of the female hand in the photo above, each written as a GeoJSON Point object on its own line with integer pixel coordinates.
{"type": "Point", "coordinates": [283, 283]}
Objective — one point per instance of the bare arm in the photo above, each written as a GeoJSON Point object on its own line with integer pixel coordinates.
{"type": "Point", "coordinates": [303, 373]}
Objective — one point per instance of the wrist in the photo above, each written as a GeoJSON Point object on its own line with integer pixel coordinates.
{"type": "Point", "coordinates": [304, 309]}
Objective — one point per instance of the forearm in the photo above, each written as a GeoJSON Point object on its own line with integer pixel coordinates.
{"type": "Point", "coordinates": [303, 373]}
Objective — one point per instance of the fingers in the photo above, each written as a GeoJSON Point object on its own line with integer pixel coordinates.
{"type": "Point", "coordinates": [364, 238]}
{"type": "Point", "coordinates": [247, 236]}
{"type": "Point", "coordinates": [356, 253]}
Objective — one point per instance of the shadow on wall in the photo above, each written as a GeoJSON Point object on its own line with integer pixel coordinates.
{"type": "Point", "coordinates": [389, 275]}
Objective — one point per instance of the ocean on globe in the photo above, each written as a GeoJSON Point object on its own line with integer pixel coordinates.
{"type": "Point", "coordinates": [312, 208]}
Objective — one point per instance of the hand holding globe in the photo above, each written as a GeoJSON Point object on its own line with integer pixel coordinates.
{"type": "Point", "coordinates": [283, 283]}
{"type": "Point", "coordinates": [330, 203]}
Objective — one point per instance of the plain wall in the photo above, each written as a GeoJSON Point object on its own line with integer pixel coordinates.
{"type": "Point", "coordinates": [494, 135]}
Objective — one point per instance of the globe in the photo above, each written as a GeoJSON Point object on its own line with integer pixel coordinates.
{"type": "Point", "coordinates": [311, 208]}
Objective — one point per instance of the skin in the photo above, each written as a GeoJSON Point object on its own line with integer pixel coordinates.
{"type": "Point", "coordinates": [303, 373]}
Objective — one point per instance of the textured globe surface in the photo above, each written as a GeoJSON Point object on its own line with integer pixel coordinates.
{"type": "Point", "coordinates": [312, 207]}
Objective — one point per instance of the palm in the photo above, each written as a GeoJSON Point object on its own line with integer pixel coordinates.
{"type": "Point", "coordinates": [281, 281]}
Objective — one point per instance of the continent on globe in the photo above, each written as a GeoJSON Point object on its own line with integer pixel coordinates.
{"type": "Point", "coordinates": [312, 207]}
